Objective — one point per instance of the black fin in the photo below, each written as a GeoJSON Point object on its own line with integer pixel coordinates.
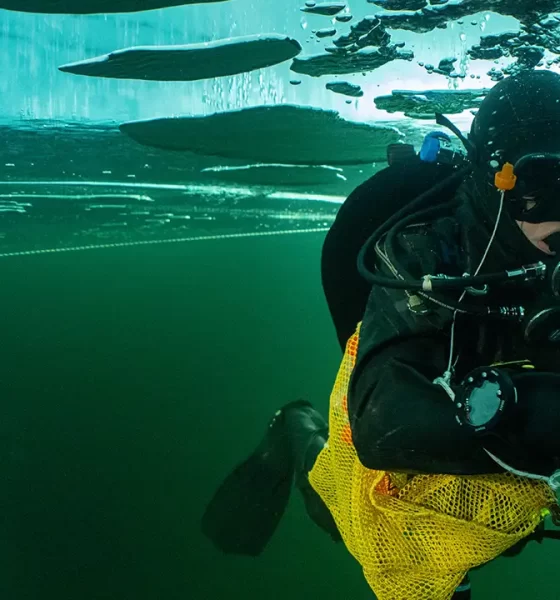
{"type": "Point", "coordinates": [248, 506]}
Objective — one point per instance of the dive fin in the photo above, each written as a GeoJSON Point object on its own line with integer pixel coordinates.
{"type": "Point", "coordinates": [246, 509]}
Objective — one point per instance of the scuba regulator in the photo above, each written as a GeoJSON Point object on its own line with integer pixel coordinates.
{"type": "Point", "coordinates": [534, 176]}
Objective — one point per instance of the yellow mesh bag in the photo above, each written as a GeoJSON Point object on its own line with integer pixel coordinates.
{"type": "Point", "coordinates": [417, 537]}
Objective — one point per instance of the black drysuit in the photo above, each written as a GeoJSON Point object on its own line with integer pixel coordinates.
{"type": "Point", "coordinates": [400, 420]}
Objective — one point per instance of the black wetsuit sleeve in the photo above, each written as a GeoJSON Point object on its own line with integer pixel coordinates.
{"type": "Point", "coordinates": [401, 420]}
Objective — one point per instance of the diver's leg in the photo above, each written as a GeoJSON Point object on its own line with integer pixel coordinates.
{"type": "Point", "coordinates": [248, 506]}
{"type": "Point", "coordinates": [309, 433]}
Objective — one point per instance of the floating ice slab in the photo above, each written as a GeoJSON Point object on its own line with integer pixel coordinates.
{"type": "Point", "coordinates": [424, 105]}
{"type": "Point", "coordinates": [327, 9]}
{"type": "Point", "coordinates": [345, 88]}
{"type": "Point", "coordinates": [527, 46]}
{"type": "Point", "coordinates": [282, 134]}
{"type": "Point", "coordinates": [401, 4]}
{"type": "Point", "coordinates": [191, 62]}
{"type": "Point", "coordinates": [435, 16]}
{"type": "Point", "coordinates": [85, 7]}
{"type": "Point", "coordinates": [277, 175]}
{"type": "Point", "coordinates": [365, 59]}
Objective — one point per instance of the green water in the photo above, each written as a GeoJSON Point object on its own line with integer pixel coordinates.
{"type": "Point", "coordinates": [132, 381]}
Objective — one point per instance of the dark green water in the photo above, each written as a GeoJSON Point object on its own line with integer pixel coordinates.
{"type": "Point", "coordinates": [132, 381]}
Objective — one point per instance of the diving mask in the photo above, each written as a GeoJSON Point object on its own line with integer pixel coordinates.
{"type": "Point", "coordinates": [534, 195]}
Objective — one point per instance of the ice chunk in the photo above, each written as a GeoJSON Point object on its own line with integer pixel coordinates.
{"type": "Point", "coordinates": [345, 88]}
{"type": "Point", "coordinates": [191, 62]}
{"type": "Point", "coordinates": [340, 63]}
{"type": "Point", "coordinates": [85, 7]}
{"type": "Point", "coordinates": [328, 9]}
{"type": "Point", "coordinates": [424, 105]}
{"type": "Point", "coordinates": [281, 134]}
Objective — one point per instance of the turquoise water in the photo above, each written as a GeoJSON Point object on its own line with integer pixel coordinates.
{"type": "Point", "coordinates": [156, 310]}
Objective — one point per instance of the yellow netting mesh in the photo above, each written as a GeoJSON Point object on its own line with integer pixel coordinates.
{"type": "Point", "coordinates": [417, 537]}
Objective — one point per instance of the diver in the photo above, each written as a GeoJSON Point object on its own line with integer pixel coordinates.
{"type": "Point", "coordinates": [442, 449]}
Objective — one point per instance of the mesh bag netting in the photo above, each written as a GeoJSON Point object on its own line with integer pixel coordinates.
{"type": "Point", "coordinates": [416, 537]}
